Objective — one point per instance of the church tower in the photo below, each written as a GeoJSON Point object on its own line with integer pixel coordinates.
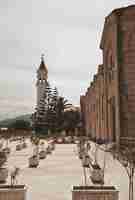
{"type": "Point", "coordinates": [42, 83]}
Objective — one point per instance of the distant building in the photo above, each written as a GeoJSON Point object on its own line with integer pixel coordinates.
{"type": "Point", "coordinates": [108, 107]}
{"type": "Point", "coordinates": [41, 84]}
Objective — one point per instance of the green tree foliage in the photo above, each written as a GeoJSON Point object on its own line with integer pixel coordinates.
{"type": "Point", "coordinates": [62, 104]}
{"type": "Point", "coordinates": [71, 119]}
{"type": "Point", "coordinates": [45, 115]}
{"type": "Point", "coordinates": [48, 92]}
{"type": "Point", "coordinates": [20, 124]}
{"type": "Point", "coordinates": [50, 113]}
{"type": "Point", "coordinates": [51, 116]}
{"type": "Point", "coordinates": [40, 123]}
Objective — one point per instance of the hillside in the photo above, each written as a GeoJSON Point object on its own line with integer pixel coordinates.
{"type": "Point", "coordinates": [7, 122]}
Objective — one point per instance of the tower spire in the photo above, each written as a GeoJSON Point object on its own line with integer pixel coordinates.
{"type": "Point", "coordinates": [42, 72]}
{"type": "Point", "coordinates": [42, 82]}
{"type": "Point", "coordinates": [42, 57]}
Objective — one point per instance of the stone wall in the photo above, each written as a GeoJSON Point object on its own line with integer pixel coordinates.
{"type": "Point", "coordinates": [110, 98]}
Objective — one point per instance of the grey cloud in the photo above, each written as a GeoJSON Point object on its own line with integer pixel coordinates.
{"type": "Point", "coordinates": [70, 31]}
{"type": "Point", "coordinates": [74, 73]}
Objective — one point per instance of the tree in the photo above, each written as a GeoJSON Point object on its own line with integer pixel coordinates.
{"type": "Point", "coordinates": [62, 104]}
{"type": "Point", "coordinates": [20, 124]}
{"type": "Point", "coordinates": [3, 158]}
{"type": "Point", "coordinates": [45, 115]}
{"type": "Point", "coordinates": [50, 112]}
{"type": "Point", "coordinates": [48, 92]}
{"type": "Point", "coordinates": [71, 119]}
{"type": "Point", "coordinates": [40, 115]}
{"type": "Point", "coordinates": [51, 118]}
{"type": "Point", "coordinates": [126, 156]}
{"type": "Point", "coordinates": [52, 98]}
{"type": "Point", "coordinates": [39, 119]}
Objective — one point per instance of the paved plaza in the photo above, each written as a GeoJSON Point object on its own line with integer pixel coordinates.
{"type": "Point", "coordinates": [55, 175]}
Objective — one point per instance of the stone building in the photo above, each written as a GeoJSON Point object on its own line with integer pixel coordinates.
{"type": "Point", "coordinates": [109, 104]}
{"type": "Point", "coordinates": [42, 83]}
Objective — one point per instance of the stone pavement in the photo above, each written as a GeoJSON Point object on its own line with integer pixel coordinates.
{"type": "Point", "coordinates": [115, 174]}
{"type": "Point", "coordinates": [55, 175]}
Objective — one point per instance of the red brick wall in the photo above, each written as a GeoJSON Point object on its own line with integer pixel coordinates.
{"type": "Point", "coordinates": [127, 78]}
{"type": "Point", "coordinates": [110, 100]}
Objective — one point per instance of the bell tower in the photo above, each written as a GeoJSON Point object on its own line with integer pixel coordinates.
{"type": "Point", "coordinates": [42, 83]}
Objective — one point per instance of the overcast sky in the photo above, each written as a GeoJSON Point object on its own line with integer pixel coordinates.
{"type": "Point", "coordinates": [68, 32]}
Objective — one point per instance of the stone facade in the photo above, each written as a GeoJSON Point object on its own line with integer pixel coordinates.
{"type": "Point", "coordinates": [42, 76]}
{"type": "Point", "coordinates": [93, 193]}
{"type": "Point", "coordinates": [38, 117]}
{"type": "Point", "coordinates": [109, 103]}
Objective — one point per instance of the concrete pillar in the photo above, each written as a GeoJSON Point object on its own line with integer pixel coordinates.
{"type": "Point", "coordinates": [117, 97]}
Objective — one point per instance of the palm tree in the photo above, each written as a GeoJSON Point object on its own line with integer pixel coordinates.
{"type": "Point", "coordinates": [62, 104]}
{"type": "Point", "coordinates": [71, 119]}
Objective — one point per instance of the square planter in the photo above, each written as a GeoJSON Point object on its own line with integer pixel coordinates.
{"type": "Point", "coordinates": [16, 192]}
{"type": "Point", "coordinates": [94, 193]}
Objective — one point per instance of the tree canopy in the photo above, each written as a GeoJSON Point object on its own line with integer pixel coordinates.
{"type": "Point", "coordinates": [51, 113]}
{"type": "Point", "coordinates": [20, 124]}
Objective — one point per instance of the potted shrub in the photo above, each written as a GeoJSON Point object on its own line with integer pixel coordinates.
{"type": "Point", "coordinates": [34, 159]}
{"type": "Point", "coordinates": [42, 153]}
{"type": "Point", "coordinates": [13, 191]}
{"type": "Point", "coordinates": [3, 170]}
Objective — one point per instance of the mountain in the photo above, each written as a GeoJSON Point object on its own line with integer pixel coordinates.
{"type": "Point", "coordinates": [7, 122]}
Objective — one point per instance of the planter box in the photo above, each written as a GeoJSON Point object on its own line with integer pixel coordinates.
{"type": "Point", "coordinates": [33, 161]}
{"type": "Point", "coordinates": [16, 192]}
{"type": "Point", "coordinates": [94, 193]}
